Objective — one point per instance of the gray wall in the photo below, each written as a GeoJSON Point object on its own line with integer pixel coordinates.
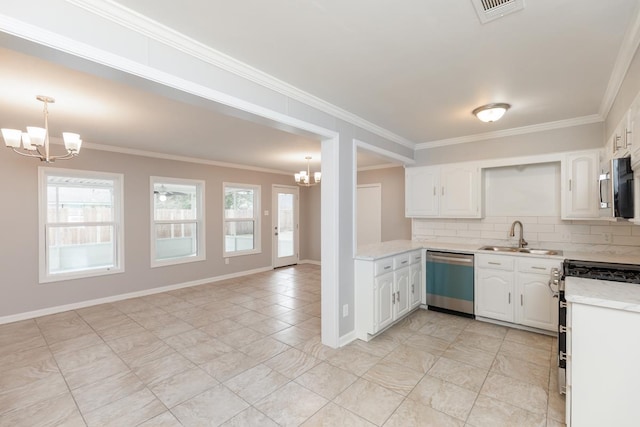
{"type": "Point", "coordinates": [19, 249]}
{"type": "Point", "coordinates": [394, 224]}
{"type": "Point", "coordinates": [557, 140]}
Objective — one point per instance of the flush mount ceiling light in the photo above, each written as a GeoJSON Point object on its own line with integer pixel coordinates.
{"type": "Point", "coordinates": [35, 141]}
{"type": "Point", "coordinates": [303, 178]}
{"type": "Point", "coordinates": [491, 112]}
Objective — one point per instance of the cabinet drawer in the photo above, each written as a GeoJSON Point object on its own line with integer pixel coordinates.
{"type": "Point", "coordinates": [537, 266]}
{"type": "Point", "coordinates": [495, 262]}
{"type": "Point", "coordinates": [402, 260]}
{"type": "Point", "coordinates": [384, 265]}
{"type": "Point", "coordinates": [416, 257]}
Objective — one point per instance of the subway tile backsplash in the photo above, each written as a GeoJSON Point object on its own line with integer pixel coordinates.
{"type": "Point", "coordinates": [540, 231]}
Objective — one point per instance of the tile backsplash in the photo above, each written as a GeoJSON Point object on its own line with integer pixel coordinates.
{"type": "Point", "coordinates": [540, 231]}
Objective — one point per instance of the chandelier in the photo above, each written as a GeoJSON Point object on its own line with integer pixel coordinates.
{"type": "Point", "coordinates": [303, 178]}
{"type": "Point", "coordinates": [35, 141]}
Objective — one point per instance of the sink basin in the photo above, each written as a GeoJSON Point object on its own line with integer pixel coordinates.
{"type": "Point", "coordinates": [521, 250]}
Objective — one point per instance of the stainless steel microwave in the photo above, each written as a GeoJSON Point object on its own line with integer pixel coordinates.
{"type": "Point", "coordinates": [616, 188]}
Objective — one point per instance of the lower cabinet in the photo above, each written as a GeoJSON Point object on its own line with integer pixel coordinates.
{"type": "Point", "coordinates": [515, 289]}
{"type": "Point", "coordinates": [387, 289]}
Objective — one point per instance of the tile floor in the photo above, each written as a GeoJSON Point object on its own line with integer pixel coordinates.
{"type": "Point", "coordinates": [247, 352]}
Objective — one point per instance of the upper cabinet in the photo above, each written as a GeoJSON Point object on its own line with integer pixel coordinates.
{"type": "Point", "coordinates": [580, 186]}
{"type": "Point", "coordinates": [633, 135]}
{"type": "Point", "coordinates": [620, 143]}
{"type": "Point", "coordinates": [450, 191]}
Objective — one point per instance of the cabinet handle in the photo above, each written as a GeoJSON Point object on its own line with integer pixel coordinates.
{"type": "Point", "coordinates": [509, 297]}
{"type": "Point", "coordinates": [398, 299]}
{"type": "Point", "coordinates": [569, 185]}
{"type": "Point", "coordinates": [627, 138]}
{"type": "Point", "coordinates": [538, 268]}
{"type": "Point", "coordinates": [413, 289]}
{"type": "Point", "coordinates": [521, 299]}
{"type": "Point", "coordinates": [494, 263]}
{"type": "Point", "coordinates": [434, 190]}
{"type": "Point", "coordinates": [393, 298]}
{"type": "Point", "coordinates": [404, 262]}
{"type": "Point", "coordinates": [387, 267]}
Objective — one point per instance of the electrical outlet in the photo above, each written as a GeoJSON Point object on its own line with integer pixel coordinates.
{"type": "Point", "coordinates": [608, 237]}
{"type": "Point", "coordinates": [226, 261]}
{"type": "Point", "coordinates": [345, 310]}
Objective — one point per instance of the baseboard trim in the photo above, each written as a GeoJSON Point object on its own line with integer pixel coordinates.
{"type": "Point", "coordinates": [347, 338]}
{"type": "Point", "coordinates": [309, 261]}
{"type": "Point", "coordinates": [88, 303]}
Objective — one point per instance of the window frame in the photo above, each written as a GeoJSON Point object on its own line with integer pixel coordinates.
{"type": "Point", "coordinates": [199, 221]}
{"type": "Point", "coordinates": [118, 223]}
{"type": "Point", "coordinates": [257, 227]}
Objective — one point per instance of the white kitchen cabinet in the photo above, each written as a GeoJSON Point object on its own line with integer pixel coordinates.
{"type": "Point", "coordinates": [580, 186]}
{"type": "Point", "coordinates": [535, 306]}
{"type": "Point", "coordinates": [421, 191]}
{"type": "Point", "coordinates": [401, 279]}
{"type": "Point", "coordinates": [384, 292]}
{"type": "Point", "coordinates": [415, 280]}
{"type": "Point", "coordinates": [602, 358]}
{"type": "Point", "coordinates": [494, 287]}
{"type": "Point", "coordinates": [450, 191]}
{"type": "Point", "coordinates": [515, 289]}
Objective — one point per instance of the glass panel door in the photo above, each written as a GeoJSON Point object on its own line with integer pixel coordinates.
{"type": "Point", "coordinates": [285, 226]}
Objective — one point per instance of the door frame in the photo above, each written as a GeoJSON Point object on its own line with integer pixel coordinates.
{"type": "Point", "coordinates": [274, 218]}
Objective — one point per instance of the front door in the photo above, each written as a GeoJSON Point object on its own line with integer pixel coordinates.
{"type": "Point", "coordinates": [285, 225]}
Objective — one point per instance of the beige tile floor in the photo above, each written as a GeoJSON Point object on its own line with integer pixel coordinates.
{"type": "Point", "coordinates": [247, 352]}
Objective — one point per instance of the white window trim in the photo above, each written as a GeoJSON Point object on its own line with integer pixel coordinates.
{"type": "Point", "coordinates": [43, 172]}
{"type": "Point", "coordinates": [257, 231]}
{"type": "Point", "coordinates": [200, 222]}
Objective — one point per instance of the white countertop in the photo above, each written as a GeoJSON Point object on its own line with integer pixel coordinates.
{"type": "Point", "coordinates": [394, 247]}
{"type": "Point", "coordinates": [603, 293]}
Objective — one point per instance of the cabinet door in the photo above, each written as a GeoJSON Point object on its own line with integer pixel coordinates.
{"type": "Point", "coordinates": [384, 301]}
{"type": "Point", "coordinates": [421, 191]}
{"type": "Point", "coordinates": [580, 186]}
{"type": "Point", "coordinates": [633, 139]}
{"type": "Point", "coordinates": [416, 285]}
{"type": "Point", "coordinates": [403, 292]}
{"type": "Point", "coordinates": [535, 305]}
{"type": "Point", "coordinates": [494, 294]}
{"type": "Point", "coordinates": [459, 192]}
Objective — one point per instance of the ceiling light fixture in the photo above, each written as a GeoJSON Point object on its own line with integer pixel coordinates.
{"type": "Point", "coordinates": [303, 178]}
{"type": "Point", "coordinates": [35, 141]}
{"type": "Point", "coordinates": [491, 112]}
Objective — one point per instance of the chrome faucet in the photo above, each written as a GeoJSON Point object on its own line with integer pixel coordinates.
{"type": "Point", "coordinates": [521, 242]}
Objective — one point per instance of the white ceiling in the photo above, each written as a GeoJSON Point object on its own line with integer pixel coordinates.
{"type": "Point", "coordinates": [416, 68]}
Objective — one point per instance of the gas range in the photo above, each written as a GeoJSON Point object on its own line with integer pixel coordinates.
{"type": "Point", "coordinates": [615, 272]}
{"type": "Point", "coordinates": [629, 273]}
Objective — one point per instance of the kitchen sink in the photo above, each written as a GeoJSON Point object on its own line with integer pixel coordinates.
{"type": "Point", "coordinates": [521, 250]}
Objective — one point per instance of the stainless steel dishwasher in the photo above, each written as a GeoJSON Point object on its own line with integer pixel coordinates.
{"type": "Point", "coordinates": [450, 282]}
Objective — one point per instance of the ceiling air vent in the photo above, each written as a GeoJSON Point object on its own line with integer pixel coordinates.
{"type": "Point", "coordinates": [488, 10]}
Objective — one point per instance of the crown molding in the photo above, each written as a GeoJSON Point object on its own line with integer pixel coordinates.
{"type": "Point", "coordinates": [578, 121]}
{"type": "Point", "coordinates": [627, 51]}
{"type": "Point", "coordinates": [139, 23]}
{"type": "Point", "coordinates": [163, 156]}
{"type": "Point", "coordinates": [376, 167]}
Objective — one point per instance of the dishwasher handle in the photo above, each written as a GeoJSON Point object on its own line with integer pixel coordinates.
{"type": "Point", "coordinates": [450, 257]}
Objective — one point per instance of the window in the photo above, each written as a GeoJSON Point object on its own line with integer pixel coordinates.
{"type": "Point", "coordinates": [177, 226]}
{"type": "Point", "coordinates": [81, 232]}
{"type": "Point", "coordinates": [241, 219]}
